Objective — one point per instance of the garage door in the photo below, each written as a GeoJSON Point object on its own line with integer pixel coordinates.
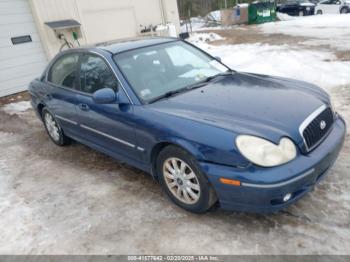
{"type": "Point", "coordinates": [21, 53]}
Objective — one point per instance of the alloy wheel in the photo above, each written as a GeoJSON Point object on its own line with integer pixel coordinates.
{"type": "Point", "coordinates": [52, 127]}
{"type": "Point", "coordinates": [181, 181]}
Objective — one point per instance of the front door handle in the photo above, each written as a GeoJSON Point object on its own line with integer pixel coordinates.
{"type": "Point", "coordinates": [84, 107]}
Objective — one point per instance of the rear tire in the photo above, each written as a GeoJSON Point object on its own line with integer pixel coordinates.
{"type": "Point", "coordinates": [54, 129]}
{"type": "Point", "coordinates": [344, 10]}
{"type": "Point", "coordinates": [183, 181]}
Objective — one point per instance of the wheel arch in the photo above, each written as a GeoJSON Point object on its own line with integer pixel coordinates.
{"type": "Point", "coordinates": [191, 149]}
{"type": "Point", "coordinates": [345, 8]}
{"type": "Point", "coordinates": [184, 145]}
{"type": "Point", "coordinates": [40, 108]}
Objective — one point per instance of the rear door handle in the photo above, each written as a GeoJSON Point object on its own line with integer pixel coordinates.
{"type": "Point", "coordinates": [84, 107]}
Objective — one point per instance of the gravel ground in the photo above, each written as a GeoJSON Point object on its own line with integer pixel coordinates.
{"type": "Point", "coordinates": [74, 200]}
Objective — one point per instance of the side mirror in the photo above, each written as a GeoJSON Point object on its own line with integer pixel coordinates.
{"type": "Point", "coordinates": [104, 96]}
{"type": "Point", "coordinates": [218, 58]}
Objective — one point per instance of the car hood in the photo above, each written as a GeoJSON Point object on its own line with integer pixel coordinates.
{"type": "Point", "coordinates": [243, 103]}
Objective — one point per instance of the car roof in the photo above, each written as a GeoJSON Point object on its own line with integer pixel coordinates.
{"type": "Point", "coordinates": [132, 43]}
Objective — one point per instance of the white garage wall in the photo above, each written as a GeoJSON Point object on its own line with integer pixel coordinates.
{"type": "Point", "coordinates": [23, 62]}
{"type": "Point", "coordinates": [52, 10]}
{"type": "Point", "coordinates": [122, 23]}
{"type": "Point", "coordinates": [101, 20]}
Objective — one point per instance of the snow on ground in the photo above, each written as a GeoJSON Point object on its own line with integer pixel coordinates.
{"type": "Point", "coordinates": [333, 30]}
{"type": "Point", "coordinates": [18, 107]}
{"type": "Point", "coordinates": [201, 25]}
{"type": "Point", "coordinates": [196, 24]}
{"type": "Point", "coordinates": [282, 60]}
{"type": "Point", "coordinates": [214, 15]}
{"type": "Point", "coordinates": [316, 65]}
{"type": "Point", "coordinates": [204, 37]}
{"type": "Point", "coordinates": [284, 17]}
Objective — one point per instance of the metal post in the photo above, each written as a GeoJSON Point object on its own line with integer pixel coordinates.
{"type": "Point", "coordinates": [189, 18]}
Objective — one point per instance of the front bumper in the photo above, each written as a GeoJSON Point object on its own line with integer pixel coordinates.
{"type": "Point", "coordinates": [311, 11]}
{"type": "Point", "coordinates": [35, 108]}
{"type": "Point", "coordinates": [262, 189]}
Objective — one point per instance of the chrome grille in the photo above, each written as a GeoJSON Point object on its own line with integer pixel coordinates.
{"type": "Point", "coordinates": [316, 127]}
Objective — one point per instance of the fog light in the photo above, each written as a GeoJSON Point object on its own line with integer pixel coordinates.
{"type": "Point", "coordinates": [287, 197]}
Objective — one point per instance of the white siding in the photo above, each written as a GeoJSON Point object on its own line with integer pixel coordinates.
{"type": "Point", "coordinates": [121, 21]}
{"type": "Point", "coordinates": [101, 20]}
{"type": "Point", "coordinates": [23, 62]}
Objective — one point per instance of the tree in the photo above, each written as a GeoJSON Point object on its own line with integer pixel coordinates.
{"type": "Point", "coordinates": [203, 7]}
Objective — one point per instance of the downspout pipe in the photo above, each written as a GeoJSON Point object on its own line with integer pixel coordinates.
{"type": "Point", "coordinates": [162, 11]}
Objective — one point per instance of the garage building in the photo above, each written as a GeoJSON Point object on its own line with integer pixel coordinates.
{"type": "Point", "coordinates": [33, 31]}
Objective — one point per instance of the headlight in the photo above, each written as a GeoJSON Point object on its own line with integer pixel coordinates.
{"type": "Point", "coordinates": [307, 8]}
{"type": "Point", "coordinates": [265, 153]}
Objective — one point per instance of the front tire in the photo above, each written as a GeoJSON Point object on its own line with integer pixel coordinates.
{"type": "Point", "coordinates": [301, 13]}
{"type": "Point", "coordinates": [54, 129]}
{"type": "Point", "coordinates": [182, 180]}
{"type": "Point", "coordinates": [319, 12]}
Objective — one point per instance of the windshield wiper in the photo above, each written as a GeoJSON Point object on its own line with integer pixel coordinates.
{"type": "Point", "coordinates": [209, 78]}
{"type": "Point", "coordinates": [206, 80]}
{"type": "Point", "coordinates": [167, 95]}
{"type": "Point", "coordinates": [190, 87]}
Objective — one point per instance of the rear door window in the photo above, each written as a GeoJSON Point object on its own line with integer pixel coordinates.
{"type": "Point", "coordinates": [64, 71]}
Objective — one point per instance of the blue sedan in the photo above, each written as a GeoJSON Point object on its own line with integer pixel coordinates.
{"type": "Point", "coordinates": [208, 134]}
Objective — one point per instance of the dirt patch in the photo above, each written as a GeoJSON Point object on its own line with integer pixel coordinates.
{"type": "Point", "coordinates": [251, 34]}
{"type": "Point", "coordinates": [22, 96]}
{"type": "Point", "coordinates": [13, 123]}
{"type": "Point", "coordinates": [343, 55]}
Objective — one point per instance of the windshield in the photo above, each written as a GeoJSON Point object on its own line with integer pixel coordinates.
{"type": "Point", "coordinates": [156, 70]}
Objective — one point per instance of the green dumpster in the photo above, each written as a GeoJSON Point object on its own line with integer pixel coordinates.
{"type": "Point", "coordinates": [261, 12]}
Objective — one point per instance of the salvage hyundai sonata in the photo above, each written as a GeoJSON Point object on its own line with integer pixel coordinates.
{"type": "Point", "coordinates": [208, 134]}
